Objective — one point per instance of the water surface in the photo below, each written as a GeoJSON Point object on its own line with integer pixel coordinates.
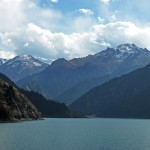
{"type": "Point", "coordinates": [76, 134]}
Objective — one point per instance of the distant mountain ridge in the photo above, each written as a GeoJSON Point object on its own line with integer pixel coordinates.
{"type": "Point", "coordinates": [64, 74]}
{"type": "Point", "coordinates": [21, 66]}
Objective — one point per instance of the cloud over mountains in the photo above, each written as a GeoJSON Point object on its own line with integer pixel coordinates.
{"type": "Point", "coordinates": [28, 27]}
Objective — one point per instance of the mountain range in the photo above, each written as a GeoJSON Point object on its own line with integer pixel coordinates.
{"type": "Point", "coordinates": [65, 78]}
{"type": "Point", "coordinates": [112, 83]}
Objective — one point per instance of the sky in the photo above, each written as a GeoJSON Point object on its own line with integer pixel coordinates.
{"type": "Point", "coordinates": [55, 29]}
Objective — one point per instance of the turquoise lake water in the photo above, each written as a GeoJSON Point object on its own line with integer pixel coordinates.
{"type": "Point", "coordinates": [76, 134]}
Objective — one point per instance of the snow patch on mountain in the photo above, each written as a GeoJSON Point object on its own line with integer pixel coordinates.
{"type": "Point", "coordinates": [121, 52]}
{"type": "Point", "coordinates": [2, 61]}
{"type": "Point", "coordinates": [45, 60]}
{"type": "Point", "coordinates": [22, 66]}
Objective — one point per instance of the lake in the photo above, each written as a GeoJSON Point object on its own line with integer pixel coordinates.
{"type": "Point", "coordinates": [76, 134]}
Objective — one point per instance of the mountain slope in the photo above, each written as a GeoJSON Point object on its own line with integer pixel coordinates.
{"type": "Point", "coordinates": [15, 106]}
{"type": "Point", "coordinates": [114, 98]}
{"type": "Point", "coordinates": [48, 108]}
{"type": "Point", "coordinates": [139, 105]}
{"type": "Point", "coordinates": [63, 74]}
{"type": "Point", "coordinates": [81, 88]}
{"type": "Point", "coordinates": [21, 66]}
{"type": "Point", "coordinates": [6, 79]}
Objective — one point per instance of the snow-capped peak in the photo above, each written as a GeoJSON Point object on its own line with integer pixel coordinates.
{"type": "Point", "coordinates": [22, 66]}
{"type": "Point", "coordinates": [127, 48]}
{"type": "Point", "coordinates": [23, 57]}
{"type": "Point", "coordinates": [122, 52]}
{"type": "Point", "coordinates": [25, 61]}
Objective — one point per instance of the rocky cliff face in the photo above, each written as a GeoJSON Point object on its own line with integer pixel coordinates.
{"type": "Point", "coordinates": [14, 106]}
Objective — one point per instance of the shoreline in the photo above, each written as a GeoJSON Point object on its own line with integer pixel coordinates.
{"type": "Point", "coordinates": [20, 120]}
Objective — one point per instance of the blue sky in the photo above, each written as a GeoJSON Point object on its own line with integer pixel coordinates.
{"type": "Point", "coordinates": [69, 5]}
{"type": "Point", "coordinates": [71, 28]}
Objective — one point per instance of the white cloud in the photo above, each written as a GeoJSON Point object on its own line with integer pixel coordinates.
{"type": "Point", "coordinates": [6, 55]}
{"type": "Point", "coordinates": [44, 43]}
{"type": "Point", "coordinates": [26, 44]}
{"type": "Point", "coordinates": [45, 17]}
{"type": "Point", "coordinates": [100, 19]}
{"type": "Point", "coordinates": [86, 11]}
{"type": "Point", "coordinates": [11, 14]}
{"type": "Point", "coordinates": [113, 18]}
{"type": "Point", "coordinates": [105, 1]}
{"type": "Point", "coordinates": [124, 32]}
{"type": "Point", "coordinates": [44, 32]}
{"type": "Point", "coordinates": [50, 14]}
{"type": "Point", "coordinates": [54, 1]}
{"type": "Point", "coordinates": [17, 13]}
{"type": "Point", "coordinates": [82, 24]}
{"type": "Point", "coordinates": [31, 5]}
